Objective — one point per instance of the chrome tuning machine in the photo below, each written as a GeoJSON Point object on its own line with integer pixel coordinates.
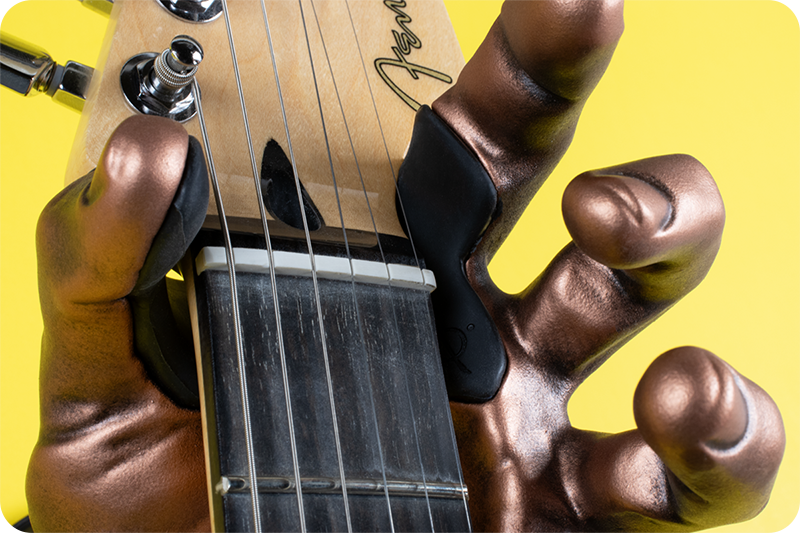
{"type": "Point", "coordinates": [29, 70]}
{"type": "Point", "coordinates": [160, 84]}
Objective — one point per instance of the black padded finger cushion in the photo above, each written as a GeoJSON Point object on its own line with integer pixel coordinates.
{"type": "Point", "coordinates": [162, 336]}
{"type": "Point", "coordinates": [449, 200]}
{"type": "Point", "coordinates": [182, 222]}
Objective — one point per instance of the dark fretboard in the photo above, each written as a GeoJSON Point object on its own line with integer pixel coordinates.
{"type": "Point", "coordinates": [395, 436]}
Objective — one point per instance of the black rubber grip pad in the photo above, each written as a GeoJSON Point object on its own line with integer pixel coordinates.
{"type": "Point", "coordinates": [449, 200]}
{"type": "Point", "coordinates": [160, 334]}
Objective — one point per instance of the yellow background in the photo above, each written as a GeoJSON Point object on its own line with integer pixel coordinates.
{"type": "Point", "coordinates": [719, 80]}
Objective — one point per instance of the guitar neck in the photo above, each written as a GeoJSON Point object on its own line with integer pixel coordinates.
{"type": "Point", "coordinates": [324, 403]}
{"type": "Point", "coordinates": [369, 432]}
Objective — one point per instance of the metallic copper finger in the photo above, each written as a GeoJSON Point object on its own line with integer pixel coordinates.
{"type": "Point", "coordinates": [658, 219]}
{"type": "Point", "coordinates": [113, 452]}
{"type": "Point", "coordinates": [93, 238]}
{"type": "Point", "coordinates": [719, 434]}
{"type": "Point", "coordinates": [517, 101]}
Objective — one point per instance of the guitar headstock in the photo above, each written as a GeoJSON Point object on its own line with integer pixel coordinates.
{"type": "Point", "coordinates": [373, 63]}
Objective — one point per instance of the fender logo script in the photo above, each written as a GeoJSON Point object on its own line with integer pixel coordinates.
{"type": "Point", "coordinates": [406, 41]}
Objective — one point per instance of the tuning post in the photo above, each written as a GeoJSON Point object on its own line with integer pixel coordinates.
{"type": "Point", "coordinates": [160, 84]}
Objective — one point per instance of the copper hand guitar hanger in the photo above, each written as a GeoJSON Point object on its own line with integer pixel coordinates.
{"type": "Point", "coordinates": [321, 388]}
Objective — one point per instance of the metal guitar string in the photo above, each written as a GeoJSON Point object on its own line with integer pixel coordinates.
{"type": "Point", "coordinates": [237, 324]}
{"type": "Point", "coordinates": [273, 285]}
{"type": "Point", "coordinates": [429, 327]}
{"type": "Point", "coordinates": [383, 258]}
{"type": "Point", "coordinates": [411, 239]}
{"type": "Point", "coordinates": [383, 136]}
{"type": "Point", "coordinates": [295, 463]}
{"type": "Point", "coordinates": [349, 257]}
{"type": "Point", "coordinates": [313, 272]}
{"type": "Point", "coordinates": [455, 452]}
{"type": "Point", "coordinates": [323, 337]}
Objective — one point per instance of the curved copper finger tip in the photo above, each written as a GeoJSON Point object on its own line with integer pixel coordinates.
{"type": "Point", "coordinates": [644, 212]}
{"type": "Point", "coordinates": [136, 178]}
{"type": "Point", "coordinates": [687, 399]}
{"type": "Point", "coordinates": [120, 211]}
{"type": "Point", "coordinates": [558, 43]}
{"type": "Point", "coordinates": [615, 219]}
{"type": "Point", "coordinates": [148, 151]}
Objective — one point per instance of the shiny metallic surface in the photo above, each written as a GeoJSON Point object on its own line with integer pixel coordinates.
{"type": "Point", "coordinates": [118, 453]}
{"type": "Point", "coordinates": [159, 84]}
{"type": "Point", "coordinates": [166, 77]}
{"type": "Point", "coordinates": [185, 54]}
{"type": "Point", "coordinates": [193, 10]}
{"type": "Point", "coordinates": [709, 441]}
{"type": "Point", "coordinates": [29, 70]}
{"type": "Point", "coordinates": [70, 85]}
{"type": "Point", "coordinates": [26, 69]}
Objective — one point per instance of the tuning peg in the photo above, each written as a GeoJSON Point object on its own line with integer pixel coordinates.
{"type": "Point", "coordinates": [29, 70]}
{"type": "Point", "coordinates": [160, 84]}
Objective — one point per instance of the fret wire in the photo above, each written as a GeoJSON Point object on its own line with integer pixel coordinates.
{"type": "Point", "coordinates": [402, 209]}
{"type": "Point", "coordinates": [323, 337]}
{"type": "Point", "coordinates": [347, 247]}
{"type": "Point", "coordinates": [273, 281]}
{"type": "Point", "coordinates": [322, 485]}
{"type": "Point", "coordinates": [295, 462]}
{"type": "Point", "coordinates": [383, 137]}
{"type": "Point", "coordinates": [237, 324]}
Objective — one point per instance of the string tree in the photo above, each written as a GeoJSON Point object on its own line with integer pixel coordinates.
{"type": "Point", "coordinates": [160, 83]}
